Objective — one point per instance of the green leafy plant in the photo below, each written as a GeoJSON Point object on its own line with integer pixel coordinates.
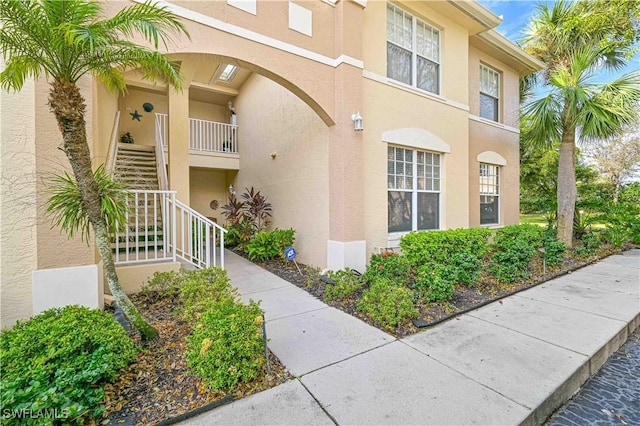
{"type": "Point", "coordinates": [436, 281]}
{"type": "Point", "coordinates": [388, 304]}
{"type": "Point", "coordinates": [467, 266]}
{"type": "Point", "coordinates": [126, 137]}
{"type": "Point", "coordinates": [554, 251]}
{"type": "Point", "coordinates": [439, 246]}
{"type": "Point", "coordinates": [515, 246]}
{"type": "Point", "coordinates": [347, 283]}
{"type": "Point", "coordinates": [267, 245]}
{"type": "Point", "coordinates": [227, 344]}
{"type": "Point", "coordinates": [388, 265]}
{"type": "Point", "coordinates": [200, 287]}
{"type": "Point", "coordinates": [164, 284]}
{"type": "Point", "coordinates": [262, 247]}
{"type": "Point", "coordinates": [589, 245]}
{"type": "Point", "coordinates": [67, 210]}
{"type": "Point", "coordinates": [60, 360]}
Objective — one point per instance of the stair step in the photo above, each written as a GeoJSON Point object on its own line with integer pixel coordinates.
{"type": "Point", "coordinates": [135, 147]}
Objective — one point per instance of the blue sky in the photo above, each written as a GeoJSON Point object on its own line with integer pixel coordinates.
{"type": "Point", "coordinates": [516, 15]}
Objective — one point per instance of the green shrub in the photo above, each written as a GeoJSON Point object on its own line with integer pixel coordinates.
{"type": "Point", "coordinates": [164, 284]}
{"type": "Point", "coordinates": [436, 281]}
{"type": "Point", "coordinates": [267, 245]}
{"type": "Point", "coordinates": [388, 303]}
{"type": "Point", "coordinates": [227, 344]}
{"type": "Point", "coordinates": [262, 247]}
{"type": "Point", "coordinates": [554, 251]}
{"type": "Point", "coordinates": [232, 236]}
{"type": "Point", "coordinates": [511, 262]}
{"type": "Point", "coordinates": [515, 246]}
{"type": "Point", "coordinates": [589, 245]}
{"type": "Point", "coordinates": [283, 238]}
{"type": "Point", "coordinates": [347, 283]}
{"type": "Point", "coordinates": [439, 246]}
{"type": "Point", "coordinates": [388, 265]}
{"type": "Point", "coordinates": [468, 267]}
{"type": "Point", "coordinates": [60, 360]}
{"type": "Point", "coordinates": [200, 287]}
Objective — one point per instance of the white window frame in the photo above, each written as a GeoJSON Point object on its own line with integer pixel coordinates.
{"type": "Point", "coordinates": [492, 174]}
{"type": "Point", "coordinates": [395, 235]}
{"type": "Point", "coordinates": [414, 50]}
{"type": "Point", "coordinates": [486, 70]}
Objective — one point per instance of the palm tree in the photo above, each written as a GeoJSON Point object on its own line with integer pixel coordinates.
{"type": "Point", "coordinates": [64, 40]}
{"type": "Point", "coordinates": [574, 104]}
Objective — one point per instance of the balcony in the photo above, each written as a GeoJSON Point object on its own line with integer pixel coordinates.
{"type": "Point", "coordinates": [211, 144]}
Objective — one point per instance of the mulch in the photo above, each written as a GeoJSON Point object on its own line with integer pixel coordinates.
{"type": "Point", "coordinates": [486, 290]}
{"type": "Point", "coordinates": [159, 385]}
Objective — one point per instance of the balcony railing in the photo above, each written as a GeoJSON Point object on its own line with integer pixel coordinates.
{"type": "Point", "coordinates": [204, 135]}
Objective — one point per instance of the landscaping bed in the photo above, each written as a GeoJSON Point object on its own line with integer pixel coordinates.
{"type": "Point", "coordinates": [485, 290]}
{"type": "Point", "coordinates": [158, 385]}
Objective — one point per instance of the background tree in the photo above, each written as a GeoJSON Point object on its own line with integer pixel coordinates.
{"type": "Point", "coordinates": [575, 40]}
{"type": "Point", "coordinates": [64, 40]}
{"type": "Point", "coordinates": [618, 157]}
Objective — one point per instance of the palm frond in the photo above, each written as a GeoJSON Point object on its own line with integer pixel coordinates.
{"type": "Point", "coordinates": [67, 211]}
{"type": "Point", "coordinates": [543, 121]}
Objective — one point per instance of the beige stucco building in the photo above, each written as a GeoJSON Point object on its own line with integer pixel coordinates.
{"type": "Point", "coordinates": [271, 91]}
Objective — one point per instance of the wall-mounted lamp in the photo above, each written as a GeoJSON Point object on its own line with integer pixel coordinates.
{"type": "Point", "coordinates": [231, 190]}
{"type": "Point", "coordinates": [357, 122]}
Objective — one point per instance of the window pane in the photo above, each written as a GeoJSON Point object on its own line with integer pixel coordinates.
{"type": "Point", "coordinates": [398, 63]}
{"type": "Point", "coordinates": [488, 210]}
{"type": "Point", "coordinates": [427, 75]}
{"type": "Point", "coordinates": [399, 211]}
{"type": "Point", "coordinates": [428, 205]}
{"type": "Point", "coordinates": [488, 107]}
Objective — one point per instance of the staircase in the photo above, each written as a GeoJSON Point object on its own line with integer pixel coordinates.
{"type": "Point", "coordinates": [143, 237]}
{"type": "Point", "coordinates": [135, 167]}
{"type": "Point", "coordinates": [159, 227]}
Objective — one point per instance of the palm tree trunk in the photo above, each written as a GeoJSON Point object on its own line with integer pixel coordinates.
{"type": "Point", "coordinates": [567, 192]}
{"type": "Point", "coordinates": [67, 104]}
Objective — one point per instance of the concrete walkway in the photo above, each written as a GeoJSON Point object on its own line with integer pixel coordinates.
{"type": "Point", "coordinates": [510, 362]}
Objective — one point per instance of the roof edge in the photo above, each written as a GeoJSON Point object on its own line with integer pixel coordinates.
{"type": "Point", "coordinates": [477, 12]}
{"type": "Point", "coordinates": [497, 40]}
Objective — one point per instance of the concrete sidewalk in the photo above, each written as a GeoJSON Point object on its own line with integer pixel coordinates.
{"type": "Point", "coordinates": [511, 362]}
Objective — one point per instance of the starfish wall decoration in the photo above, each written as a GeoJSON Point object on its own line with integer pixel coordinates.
{"type": "Point", "coordinates": [135, 115]}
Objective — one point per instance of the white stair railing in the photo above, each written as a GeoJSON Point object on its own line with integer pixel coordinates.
{"type": "Point", "coordinates": [161, 165]}
{"type": "Point", "coordinates": [162, 128]}
{"type": "Point", "coordinates": [144, 237]}
{"type": "Point", "coordinates": [161, 228]}
{"type": "Point", "coordinates": [195, 238]}
{"type": "Point", "coordinates": [112, 153]}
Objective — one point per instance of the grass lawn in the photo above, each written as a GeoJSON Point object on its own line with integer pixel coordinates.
{"type": "Point", "coordinates": [534, 219]}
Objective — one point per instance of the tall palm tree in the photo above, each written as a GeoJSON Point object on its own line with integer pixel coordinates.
{"type": "Point", "coordinates": [574, 104]}
{"type": "Point", "coordinates": [64, 40]}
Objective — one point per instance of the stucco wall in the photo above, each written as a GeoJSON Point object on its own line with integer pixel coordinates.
{"type": "Point", "coordinates": [296, 181]}
{"type": "Point", "coordinates": [509, 106]}
{"type": "Point", "coordinates": [390, 109]}
{"type": "Point", "coordinates": [453, 45]}
{"type": "Point", "coordinates": [484, 137]}
{"type": "Point", "coordinates": [54, 248]}
{"type": "Point", "coordinates": [18, 237]}
{"type": "Point", "coordinates": [208, 185]}
{"type": "Point", "coordinates": [143, 131]}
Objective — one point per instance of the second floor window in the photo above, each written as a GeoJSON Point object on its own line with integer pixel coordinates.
{"type": "Point", "coordinates": [489, 93]}
{"type": "Point", "coordinates": [413, 50]}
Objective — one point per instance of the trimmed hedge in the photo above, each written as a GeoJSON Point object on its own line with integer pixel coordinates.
{"type": "Point", "coordinates": [423, 247]}
{"type": "Point", "coordinates": [58, 362]}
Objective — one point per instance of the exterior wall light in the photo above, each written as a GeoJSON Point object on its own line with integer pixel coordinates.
{"type": "Point", "coordinates": [231, 190]}
{"type": "Point", "coordinates": [357, 122]}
